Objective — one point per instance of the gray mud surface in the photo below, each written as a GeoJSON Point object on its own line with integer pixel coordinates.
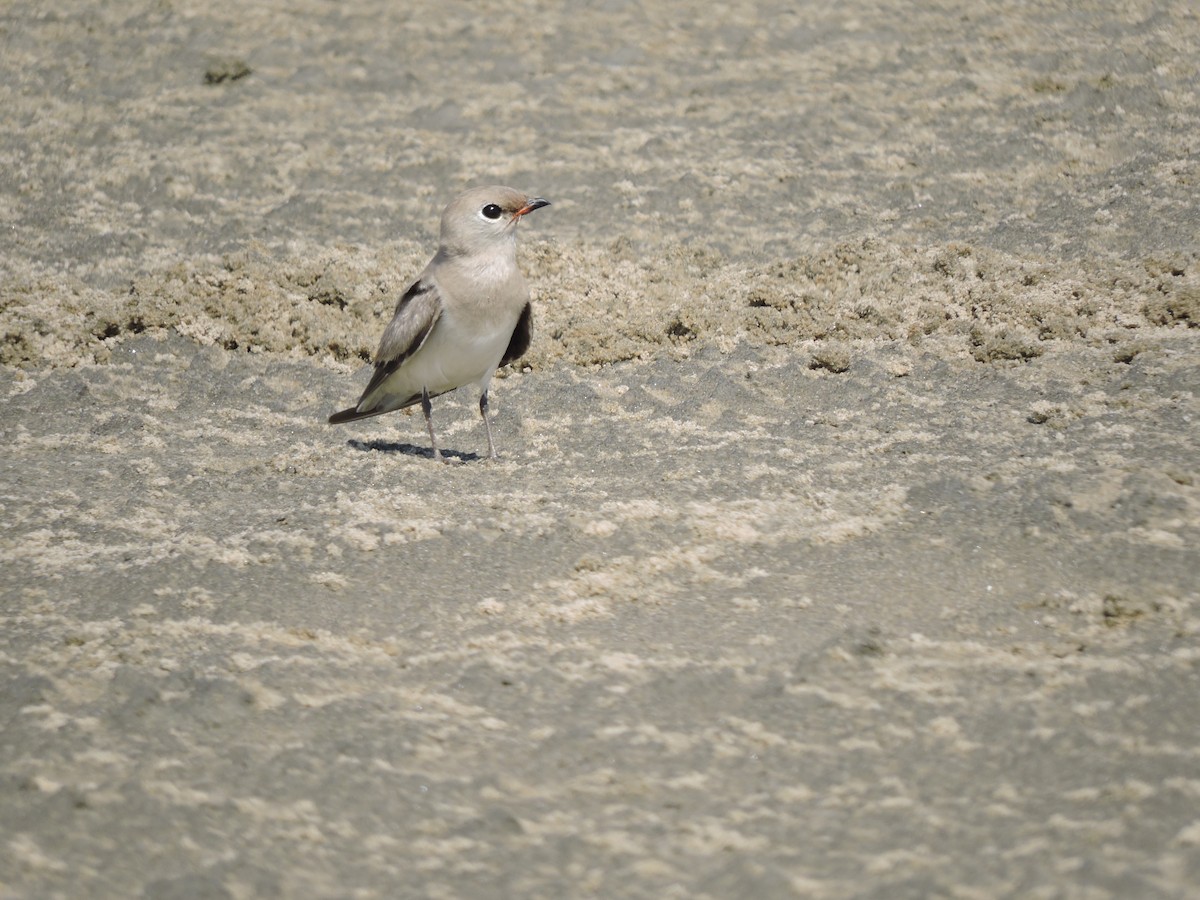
{"type": "Point", "coordinates": [845, 539]}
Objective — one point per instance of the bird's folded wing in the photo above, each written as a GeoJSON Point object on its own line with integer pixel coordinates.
{"type": "Point", "coordinates": [416, 314]}
{"type": "Point", "coordinates": [522, 336]}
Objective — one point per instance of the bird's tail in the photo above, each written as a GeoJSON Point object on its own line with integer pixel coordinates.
{"type": "Point", "coordinates": [354, 413]}
{"type": "Point", "coordinates": [349, 415]}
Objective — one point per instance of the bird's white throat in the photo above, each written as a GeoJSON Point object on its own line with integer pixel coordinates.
{"type": "Point", "coordinates": [492, 267]}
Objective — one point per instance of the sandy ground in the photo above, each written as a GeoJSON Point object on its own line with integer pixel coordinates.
{"type": "Point", "coordinates": [845, 541]}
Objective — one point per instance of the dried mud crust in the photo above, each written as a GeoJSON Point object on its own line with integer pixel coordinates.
{"type": "Point", "coordinates": [598, 305]}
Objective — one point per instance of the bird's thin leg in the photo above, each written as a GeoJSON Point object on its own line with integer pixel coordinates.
{"type": "Point", "coordinates": [487, 423]}
{"type": "Point", "coordinates": [427, 408]}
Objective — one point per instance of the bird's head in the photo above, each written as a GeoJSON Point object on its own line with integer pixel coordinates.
{"type": "Point", "coordinates": [484, 216]}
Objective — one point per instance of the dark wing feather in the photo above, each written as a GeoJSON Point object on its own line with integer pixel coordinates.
{"type": "Point", "coordinates": [351, 414]}
{"type": "Point", "coordinates": [522, 337]}
{"type": "Point", "coordinates": [416, 314]}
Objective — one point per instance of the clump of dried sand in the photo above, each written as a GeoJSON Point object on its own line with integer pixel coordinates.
{"type": "Point", "coordinates": [601, 304]}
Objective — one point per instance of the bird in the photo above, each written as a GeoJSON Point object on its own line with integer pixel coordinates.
{"type": "Point", "coordinates": [467, 313]}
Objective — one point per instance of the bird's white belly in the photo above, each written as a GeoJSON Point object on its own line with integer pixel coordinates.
{"type": "Point", "coordinates": [455, 354]}
{"type": "Point", "coordinates": [450, 360]}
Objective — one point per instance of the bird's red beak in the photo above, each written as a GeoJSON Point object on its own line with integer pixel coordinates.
{"type": "Point", "coordinates": [530, 206]}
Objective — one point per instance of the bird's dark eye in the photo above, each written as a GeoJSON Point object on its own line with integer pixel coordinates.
{"type": "Point", "coordinates": [491, 211]}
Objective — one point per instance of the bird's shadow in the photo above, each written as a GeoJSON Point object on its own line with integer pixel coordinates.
{"type": "Point", "coordinates": [409, 450]}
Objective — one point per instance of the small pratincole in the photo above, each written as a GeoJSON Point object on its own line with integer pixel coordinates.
{"type": "Point", "coordinates": [466, 315]}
